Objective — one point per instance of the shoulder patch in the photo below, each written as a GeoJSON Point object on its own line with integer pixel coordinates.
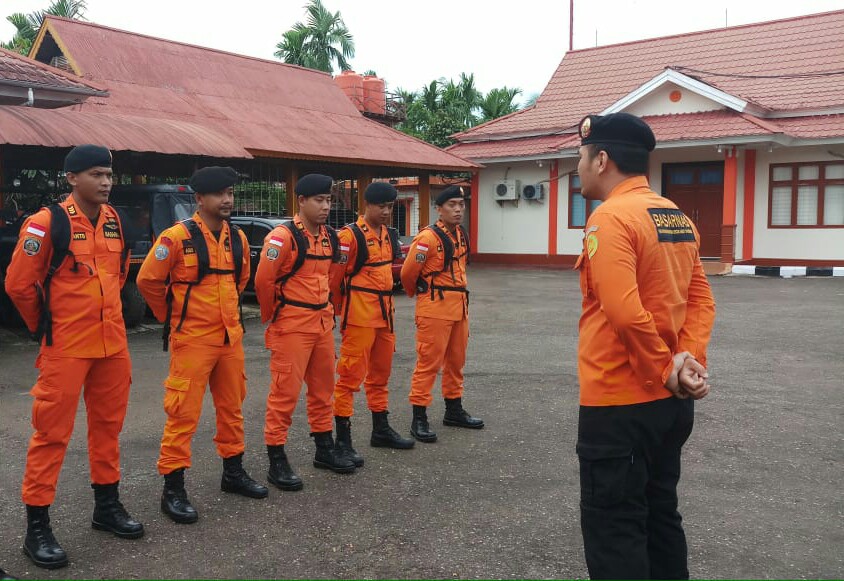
{"type": "Point", "coordinates": [591, 244]}
{"type": "Point", "coordinates": [162, 251]}
{"type": "Point", "coordinates": [31, 246]}
{"type": "Point", "coordinates": [671, 225]}
{"type": "Point", "coordinates": [420, 257]}
{"type": "Point", "coordinates": [36, 229]}
{"type": "Point", "coordinates": [272, 253]}
{"type": "Point", "coordinates": [71, 210]}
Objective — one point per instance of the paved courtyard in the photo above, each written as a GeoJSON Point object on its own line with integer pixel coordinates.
{"type": "Point", "coordinates": [761, 491]}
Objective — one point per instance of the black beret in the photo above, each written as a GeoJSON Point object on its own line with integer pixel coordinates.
{"type": "Point", "coordinates": [380, 193]}
{"type": "Point", "coordinates": [84, 157]}
{"type": "Point", "coordinates": [617, 128]}
{"type": "Point", "coordinates": [313, 185]}
{"type": "Point", "coordinates": [449, 193]}
{"type": "Point", "coordinates": [213, 179]}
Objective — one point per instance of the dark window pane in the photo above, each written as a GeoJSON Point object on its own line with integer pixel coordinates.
{"type": "Point", "coordinates": [713, 175]}
{"type": "Point", "coordinates": [681, 176]}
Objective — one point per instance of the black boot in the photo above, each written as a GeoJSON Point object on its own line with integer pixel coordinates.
{"type": "Point", "coordinates": [236, 480]}
{"type": "Point", "coordinates": [40, 545]}
{"type": "Point", "coordinates": [281, 473]}
{"type": "Point", "coordinates": [109, 514]}
{"type": "Point", "coordinates": [174, 499]}
{"type": "Point", "coordinates": [327, 456]}
{"type": "Point", "coordinates": [419, 427]}
{"type": "Point", "coordinates": [6, 577]}
{"type": "Point", "coordinates": [344, 441]}
{"type": "Point", "coordinates": [455, 415]}
{"type": "Point", "coordinates": [383, 436]}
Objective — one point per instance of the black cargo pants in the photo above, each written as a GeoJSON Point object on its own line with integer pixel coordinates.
{"type": "Point", "coordinates": [629, 470]}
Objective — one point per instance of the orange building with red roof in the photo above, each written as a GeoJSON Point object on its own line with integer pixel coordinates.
{"type": "Point", "coordinates": [749, 122]}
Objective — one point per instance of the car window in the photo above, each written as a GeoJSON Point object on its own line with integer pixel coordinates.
{"type": "Point", "coordinates": [259, 232]}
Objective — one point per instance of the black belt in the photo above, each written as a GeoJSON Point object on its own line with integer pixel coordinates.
{"type": "Point", "coordinates": [387, 316]}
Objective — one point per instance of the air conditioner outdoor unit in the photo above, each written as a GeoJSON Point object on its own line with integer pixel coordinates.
{"type": "Point", "coordinates": [507, 190]}
{"type": "Point", "coordinates": [533, 192]}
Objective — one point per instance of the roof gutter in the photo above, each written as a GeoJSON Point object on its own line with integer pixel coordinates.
{"type": "Point", "coordinates": [71, 90]}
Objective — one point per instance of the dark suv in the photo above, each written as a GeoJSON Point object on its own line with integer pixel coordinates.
{"type": "Point", "coordinates": [147, 209]}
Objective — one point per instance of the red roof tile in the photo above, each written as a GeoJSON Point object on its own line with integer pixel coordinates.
{"type": "Point", "coordinates": [709, 125]}
{"type": "Point", "coordinates": [526, 146]}
{"type": "Point", "coordinates": [267, 107]}
{"type": "Point", "coordinates": [815, 127]}
{"type": "Point", "coordinates": [20, 69]}
{"type": "Point", "coordinates": [588, 81]}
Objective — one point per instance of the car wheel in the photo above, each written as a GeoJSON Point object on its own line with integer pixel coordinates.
{"type": "Point", "coordinates": [134, 306]}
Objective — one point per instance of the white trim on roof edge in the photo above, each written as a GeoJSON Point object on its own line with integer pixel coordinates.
{"type": "Point", "coordinates": [687, 82]}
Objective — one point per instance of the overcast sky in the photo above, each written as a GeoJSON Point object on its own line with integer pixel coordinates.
{"type": "Point", "coordinates": [513, 43]}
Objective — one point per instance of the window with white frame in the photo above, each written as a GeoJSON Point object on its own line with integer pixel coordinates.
{"type": "Point", "coordinates": [806, 195]}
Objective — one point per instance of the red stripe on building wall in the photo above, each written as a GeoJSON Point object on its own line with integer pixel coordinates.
{"type": "Point", "coordinates": [553, 202]}
{"type": "Point", "coordinates": [728, 219]}
{"type": "Point", "coordinates": [749, 200]}
{"type": "Point", "coordinates": [474, 211]}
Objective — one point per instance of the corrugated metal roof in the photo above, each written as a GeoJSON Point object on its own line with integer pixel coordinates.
{"type": "Point", "coordinates": [67, 128]}
{"type": "Point", "coordinates": [25, 71]}
{"type": "Point", "coordinates": [266, 106]}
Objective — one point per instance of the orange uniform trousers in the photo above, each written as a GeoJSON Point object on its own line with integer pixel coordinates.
{"type": "Point", "coordinates": [440, 344]}
{"type": "Point", "coordinates": [56, 394]}
{"type": "Point", "coordinates": [298, 356]}
{"type": "Point", "coordinates": [192, 368]}
{"type": "Point", "coordinates": [366, 355]}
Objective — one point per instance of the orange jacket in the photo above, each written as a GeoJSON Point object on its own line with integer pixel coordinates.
{"type": "Point", "coordinates": [309, 285]}
{"type": "Point", "coordinates": [358, 307]}
{"type": "Point", "coordinates": [645, 297]}
{"type": "Point", "coordinates": [213, 310]}
{"type": "Point", "coordinates": [426, 259]}
{"type": "Point", "coordinates": [86, 309]}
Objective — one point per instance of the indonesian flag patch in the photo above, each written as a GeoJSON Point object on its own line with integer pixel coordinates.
{"type": "Point", "coordinates": [276, 241]}
{"type": "Point", "coordinates": [37, 230]}
{"type": "Point", "coordinates": [422, 247]}
{"type": "Point", "coordinates": [344, 248]}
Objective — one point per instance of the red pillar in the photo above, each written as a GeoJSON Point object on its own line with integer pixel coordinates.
{"type": "Point", "coordinates": [728, 219]}
{"type": "Point", "coordinates": [553, 204]}
{"type": "Point", "coordinates": [424, 200]}
{"type": "Point", "coordinates": [749, 200]}
{"type": "Point", "coordinates": [474, 211]}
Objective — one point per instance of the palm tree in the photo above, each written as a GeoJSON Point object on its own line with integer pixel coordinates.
{"type": "Point", "coordinates": [320, 43]}
{"type": "Point", "coordinates": [499, 102]}
{"type": "Point", "coordinates": [28, 25]}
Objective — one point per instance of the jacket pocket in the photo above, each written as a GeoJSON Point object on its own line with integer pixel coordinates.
{"type": "Point", "coordinates": [604, 472]}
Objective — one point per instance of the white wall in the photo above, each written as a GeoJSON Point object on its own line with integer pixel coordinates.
{"type": "Point", "coordinates": [792, 243]}
{"type": "Point", "coordinates": [658, 102]}
{"type": "Point", "coordinates": [507, 228]}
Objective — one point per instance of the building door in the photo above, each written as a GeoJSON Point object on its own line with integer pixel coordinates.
{"type": "Point", "coordinates": [698, 190]}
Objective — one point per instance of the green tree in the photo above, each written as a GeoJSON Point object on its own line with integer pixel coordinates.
{"type": "Point", "coordinates": [445, 107]}
{"type": "Point", "coordinates": [28, 25]}
{"type": "Point", "coordinates": [498, 103]}
{"type": "Point", "coordinates": [320, 43]}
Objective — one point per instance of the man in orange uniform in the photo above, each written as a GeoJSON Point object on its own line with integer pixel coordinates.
{"type": "Point", "coordinates": [435, 270]}
{"type": "Point", "coordinates": [362, 288]}
{"type": "Point", "coordinates": [77, 308]}
{"type": "Point", "coordinates": [647, 317]}
{"type": "Point", "coordinates": [292, 284]}
{"type": "Point", "coordinates": [192, 281]}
